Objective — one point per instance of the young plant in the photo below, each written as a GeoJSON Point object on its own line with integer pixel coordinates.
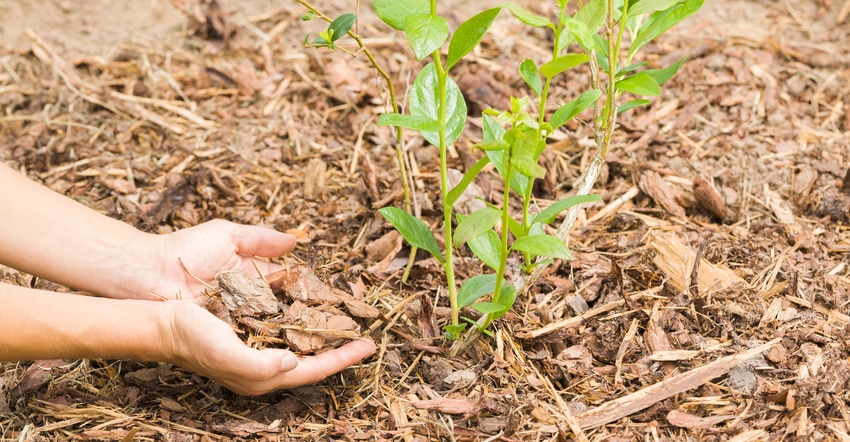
{"type": "Point", "coordinates": [337, 29]}
{"type": "Point", "coordinates": [513, 139]}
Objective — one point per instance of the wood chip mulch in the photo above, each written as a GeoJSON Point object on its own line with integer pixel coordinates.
{"type": "Point", "coordinates": [709, 295]}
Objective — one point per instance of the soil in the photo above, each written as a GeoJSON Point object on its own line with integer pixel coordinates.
{"type": "Point", "coordinates": [712, 281]}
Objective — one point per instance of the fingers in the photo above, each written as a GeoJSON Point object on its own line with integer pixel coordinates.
{"type": "Point", "coordinates": [259, 241]}
{"type": "Point", "coordinates": [274, 369]}
{"type": "Point", "coordinates": [313, 369]}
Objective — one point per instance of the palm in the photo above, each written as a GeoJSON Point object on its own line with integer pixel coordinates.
{"type": "Point", "coordinates": [209, 248]}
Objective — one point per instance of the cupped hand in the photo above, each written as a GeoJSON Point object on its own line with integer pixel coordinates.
{"type": "Point", "coordinates": [205, 250]}
{"type": "Point", "coordinates": [195, 339]}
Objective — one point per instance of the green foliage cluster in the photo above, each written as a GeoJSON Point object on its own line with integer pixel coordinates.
{"type": "Point", "coordinates": [515, 138]}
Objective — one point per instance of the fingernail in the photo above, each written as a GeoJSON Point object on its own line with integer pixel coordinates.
{"type": "Point", "coordinates": [288, 362]}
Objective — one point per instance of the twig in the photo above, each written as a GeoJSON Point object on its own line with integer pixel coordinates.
{"type": "Point", "coordinates": [576, 320]}
{"type": "Point", "coordinates": [626, 405]}
{"type": "Point", "coordinates": [183, 266]}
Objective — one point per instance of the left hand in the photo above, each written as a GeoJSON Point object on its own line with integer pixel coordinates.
{"type": "Point", "coordinates": [205, 250]}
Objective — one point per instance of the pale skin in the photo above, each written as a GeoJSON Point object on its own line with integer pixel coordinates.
{"type": "Point", "coordinates": [48, 235]}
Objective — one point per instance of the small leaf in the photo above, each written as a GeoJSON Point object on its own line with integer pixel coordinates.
{"type": "Point", "coordinates": [470, 175]}
{"type": "Point", "coordinates": [528, 71]}
{"type": "Point", "coordinates": [341, 25]}
{"type": "Point", "coordinates": [492, 145]}
{"type": "Point", "coordinates": [308, 16]}
{"type": "Point", "coordinates": [414, 231]}
{"type": "Point", "coordinates": [543, 245]}
{"type": "Point", "coordinates": [415, 122]}
{"type": "Point", "coordinates": [475, 224]}
{"type": "Point", "coordinates": [592, 16]}
{"type": "Point", "coordinates": [580, 32]}
{"type": "Point", "coordinates": [507, 297]}
{"type": "Point", "coordinates": [489, 307]}
{"type": "Point", "coordinates": [631, 105]}
{"type": "Point", "coordinates": [630, 68]}
{"type": "Point", "coordinates": [426, 33]}
{"type": "Point", "coordinates": [640, 84]}
{"type": "Point", "coordinates": [474, 288]}
{"type": "Point", "coordinates": [526, 17]}
{"type": "Point", "coordinates": [425, 102]}
{"type": "Point", "coordinates": [662, 75]}
{"type": "Point", "coordinates": [395, 12]}
{"type": "Point", "coordinates": [469, 34]}
{"type": "Point", "coordinates": [492, 130]}
{"type": "Point", "coordinates": [453, 331]}
{"type": "Point", "coordinates": [551, 213]}
{"type": "Point", "coordinates": [487, 248]}
{"type": "Point", "coordinates": [659, 22]}
{"type": "Point", "coordinates": [572, 109]}
{"type": "Point", "coordinates": [528, 166]}
{"type": "Point", "coordinates": [650, 6]}
{"type": "Point", "coordinates": [562, 63]}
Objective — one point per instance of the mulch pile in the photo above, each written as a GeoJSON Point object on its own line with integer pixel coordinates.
{"type": "Point", "coordinates": [708, 298]}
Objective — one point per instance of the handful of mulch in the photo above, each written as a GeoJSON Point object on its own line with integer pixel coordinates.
{"type": "Point", "coordinates": [292, 307]}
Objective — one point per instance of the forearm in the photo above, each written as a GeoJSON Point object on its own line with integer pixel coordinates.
{"type": "Point", "coordinates": [56, 238]}
{"type": "Point", "coordinates": [36, 324]}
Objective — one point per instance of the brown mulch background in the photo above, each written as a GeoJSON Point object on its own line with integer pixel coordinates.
{"type": "Point", "coordinates": [233, 119]}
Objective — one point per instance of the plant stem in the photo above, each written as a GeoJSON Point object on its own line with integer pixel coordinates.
{"type": "Point", "coordinates": [605, 118]}
{"type": "Point", "coordinates": [485, 320]}
{"type": "Point", "coordinates": [406, 179]}
{"type": "Point", "coordinates": [448, 265]}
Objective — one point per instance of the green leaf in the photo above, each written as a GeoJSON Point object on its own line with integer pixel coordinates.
{"type": "Point", "coordinates": [475, 224]}
{"type": "Point", "coordinates": [507, 297]}
{"type": "Point", "coordinates": [580, 32]}
{"type": "Point", "coordinates": [469, 34]}
{"type": "Point", "coordinates": [425, 102]}
{"type": "Point", "coordinates": [572, 109]}
{"type": "Point", "coordinates": [474, 288]}
{"type": "Point", "coordinates": [470, 175]}
{"type": "Point", "coordinates": [515, 227]}
{"type": "Point", "coordinates": [487, 248]}
{"type": "Point", "coordinates": [453, 331]}
{"type": "Point", "coordinates": [528, 71]}
{"type": "Point", "coordinates": [308, 16]}
{"type": "Point", "coordinates": [543, 245]}
{"type": "Point", "coordinates": [640, 84]}
{"type": "Point", "coordinates": [649, 6]}
{"type": "Point", "coordinates": [414, 231]}
{"type": "Point", "coordinates": [659, 22]}
{"type": "Point", "coordinates": [630, 68]}
{"type": "Point", "coordinates": [549, 215]}
{"type": "Point", "coordinates": [592, 16]}
{"type": "Point", "coordinates": [490, 307]}
{"type": "Point", "coordinates": [662, 75]}
{"type": "Point", "coordinates": [341, 25]}
{"type": "Point", "coordinates": [415, 122]}
{"type": "Point", "coordinates": [527, 166]}
{"type": "Point", "coordinates": [562, 63]}
{"type": "Point", "coordinates": [426, 33]}
{"type": "Point", "coordinates": [631, 105]}
{"type": "Point", "coordinates": [492, 130]}
{"type": "Point", "coordinates": [395, 12]}
{"type": "Point", "coordinates": [526, 17]}
{"type": "Point", "coordinates": [492, 145]}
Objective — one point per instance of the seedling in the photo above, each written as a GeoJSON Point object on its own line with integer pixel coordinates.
{"type": "Point", "coordinates": [515, 138]}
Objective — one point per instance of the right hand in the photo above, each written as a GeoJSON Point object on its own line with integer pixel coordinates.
{"type": "Point", "coordinates": [193, 338]}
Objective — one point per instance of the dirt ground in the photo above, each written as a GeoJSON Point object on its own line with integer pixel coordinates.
{"type": "Point", "coordinates": [741, 166]}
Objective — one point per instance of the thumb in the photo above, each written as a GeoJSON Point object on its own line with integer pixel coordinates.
{"type": "Point", "coordinates": [259, 241]}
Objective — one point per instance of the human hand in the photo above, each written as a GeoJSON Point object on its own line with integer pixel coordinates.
{"type": "Point", "coordinates": [195, 339]}
{"type": "Point", "coordinates": [205, 250]}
